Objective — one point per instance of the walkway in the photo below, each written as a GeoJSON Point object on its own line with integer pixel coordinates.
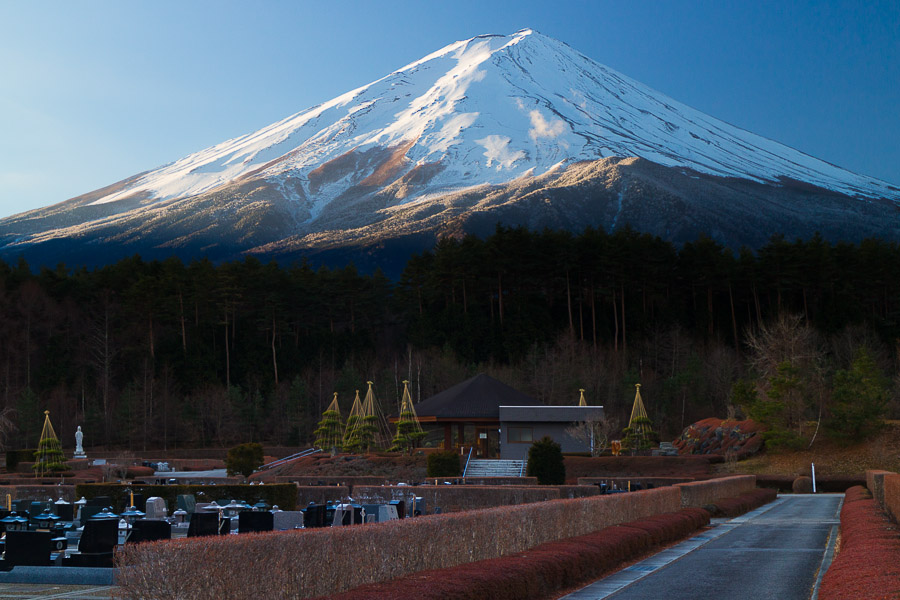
{"type": "Point", "coordinates": [776, 552]}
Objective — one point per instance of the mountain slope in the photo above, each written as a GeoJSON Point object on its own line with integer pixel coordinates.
{"type": "Point", "coordinates": [513, 128]}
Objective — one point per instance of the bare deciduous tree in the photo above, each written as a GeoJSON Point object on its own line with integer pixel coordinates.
{"type": "Point", "coordinates": [597, 433]}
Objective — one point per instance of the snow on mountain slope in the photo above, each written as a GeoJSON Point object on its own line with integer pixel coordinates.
{"type": "Point", "coordinates": [486, 110]}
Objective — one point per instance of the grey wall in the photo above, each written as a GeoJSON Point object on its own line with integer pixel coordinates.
{"type": "Point", "coordinates": [557, 431]}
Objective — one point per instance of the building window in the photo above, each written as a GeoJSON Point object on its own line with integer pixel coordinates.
{"type": "Point", "coordinates": [519, 435]}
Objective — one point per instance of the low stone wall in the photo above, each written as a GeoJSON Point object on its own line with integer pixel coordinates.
{"type": "Point", "coordinates": [699, 493]}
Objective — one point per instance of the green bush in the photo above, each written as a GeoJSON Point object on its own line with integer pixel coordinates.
{"type": "Point", "coordinates": [443, 464]}
{"type": "Point", "coordinates": [545, 461]}
{"type": "Point", "coordinates": [14, 457]}
{"type": "Point", "coordinates": [282, 494]}
{"type": "Point", "coordinates": [244, 459]}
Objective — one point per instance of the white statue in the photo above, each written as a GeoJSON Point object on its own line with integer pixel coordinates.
{"type": "Point", "coordinates": [79, 449]}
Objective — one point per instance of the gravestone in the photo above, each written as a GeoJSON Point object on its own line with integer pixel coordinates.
{"type": "Point", "coordinates": [314, 516]}
{"type": "Point", "coordinates": [65, 512]}
{"type": "Point", "coordinates": [28, 548]}
{"type": "Point", "coordinates": [387, 512]}
{"type": "Point", "coordinates": [89, 511]}
{"type": "Point", "coordinates": [401, 508]}
{"type": "Point", "coordinates": [203, 524]}
{"type": "Point", "coordinates": [95, 548]}
{"type": "Point", "coordinates": [186, 502]}
{"type": "Point", "coordinates": [249, 521]}
{"type": "Point", "coordinates": [287, 519]}
{"type": "Point", "coordinates": [146, 530]}
{"type": "Point", "coordinates": [156, 509]}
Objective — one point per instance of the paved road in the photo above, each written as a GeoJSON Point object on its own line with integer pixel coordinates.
{"type": "Point", "coordinates": [774, 552]}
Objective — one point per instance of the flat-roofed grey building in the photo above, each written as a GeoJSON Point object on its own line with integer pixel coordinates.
{"type": "Point", "coordinates": [520, 426]}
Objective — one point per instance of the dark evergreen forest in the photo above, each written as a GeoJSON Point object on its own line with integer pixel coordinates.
{"type": "Point", "coordinates": [166, 354]}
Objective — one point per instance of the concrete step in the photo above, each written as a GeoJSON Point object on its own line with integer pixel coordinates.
{"type": "Point", "coordinates": [495, 468]}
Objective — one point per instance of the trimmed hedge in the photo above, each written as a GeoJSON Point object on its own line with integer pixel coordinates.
{"type": "Point", "coordinates": [543, 570]}
{"type": "Point", "coordinates": [891, 494]}
{"type": "Point", "coordinates": [38, 493]}
{"type": "Point", "coordinates": [14, 457]}
{"type": "Point", "coordinates": [875, 484]}
{"type": "Point", "coordinates": [284, 494]}
{"type": "Point", "coordinates": [444, 464]}
{"type": "Point", "coordinates": [738, 505]}
{"type": "Point", "coordinates": [456, 498]}
{"type": "Point", "coordinates": [868, 564]}
{"type": "Point", "coordinates": [347, 557]}
{"type": "Point", "coordinates": [701, 493]}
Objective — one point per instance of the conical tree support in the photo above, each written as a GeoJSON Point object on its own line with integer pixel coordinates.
{"type": "Point", "coordinates": [581, 400]}
{"type": "Point", "coordinates": [374, 424]}
{"type": "Point", "coordinates": [49, 457]}
{"type": "Point", "coordinates": [409, 430]}
{"type": "Point", "coordinates": [330, 433]}
{"type": "Point", "coordinates": [639, 430]}
{"type": "Point", "coordinates": [354, 424]}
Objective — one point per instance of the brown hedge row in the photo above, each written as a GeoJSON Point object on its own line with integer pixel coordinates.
{"type": "Point", "coordinates": [738, 505]}
{"type": "Point", "coordinates": [314, 562]}
{"type": "Point", "coordinates": [284, 494]}
{"type": "Point", "coordinates": [868, 564]}
{"type": "Point", "coordinates": [456, 498]}
{"type": "Point", "coordinates": [541, 571]}
{"type": "Point", "coordinates": [38, 493]}
{"type": "Point", "coordinates": [891, 492]}
{"type": "Point", "coordinates": [875, 484]}
{"type": "Point", "coordinates": [701, 493]}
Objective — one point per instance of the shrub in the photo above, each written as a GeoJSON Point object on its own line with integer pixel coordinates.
{"type": "Point", "coordinates": [545, 461]}
{"type": "Point", "coordinates": [541, 571]}
{"type": "Point", "coordinates": [244, 459]}
{"type": "Point", "coordinates": [14, 457]}
{"type": "Point", "coordinates": [802, 485]}
{"type": "Point", "coordinates": [443, 464]}
{"type": "Point", "coordinates": [738, 505]}
{"type": "Point", "coordinates": [868, 565]}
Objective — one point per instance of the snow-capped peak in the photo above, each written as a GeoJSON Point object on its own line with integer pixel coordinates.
{"type": "Point", "coordinates": [489, 109]}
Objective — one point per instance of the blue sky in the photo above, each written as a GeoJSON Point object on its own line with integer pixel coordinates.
{"type": "Point", "coordinates": [92, 92]}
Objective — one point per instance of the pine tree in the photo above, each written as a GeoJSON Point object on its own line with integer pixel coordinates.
{"type": "Point", "coordinates": [330, 432]}
{"type": "Point", "coordinates": [49, 457]}
{"type": "Point", "coordinates": [409, 430]}
{"type": "Point", "coordinates": [639, 433]}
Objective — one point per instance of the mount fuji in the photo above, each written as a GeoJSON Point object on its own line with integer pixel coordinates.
{"type": "Point", "coordinates": [518, 130]}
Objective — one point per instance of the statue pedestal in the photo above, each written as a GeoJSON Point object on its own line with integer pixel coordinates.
{"type": "Point", "coordinates": [79, 455]}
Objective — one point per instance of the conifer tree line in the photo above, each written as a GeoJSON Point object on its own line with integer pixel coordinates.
{"type": "Point", "coordinates": [151, 354]}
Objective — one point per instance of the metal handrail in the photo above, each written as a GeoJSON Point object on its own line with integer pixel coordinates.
{"type": "Point", "coordinates": [521, 468]}
{"type": "Point", "coordinates": [467, 460]}
{"type": "Point", "coordinates": [281, 461]}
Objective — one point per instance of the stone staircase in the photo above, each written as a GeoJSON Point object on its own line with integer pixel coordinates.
{"type": "Point", "coordinates": [495, 468]}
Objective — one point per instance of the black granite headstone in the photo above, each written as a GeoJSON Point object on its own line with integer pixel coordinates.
{"type": "Point", "coordinates": [255, 521]}
{"type": "Point", "coordinates": [28, 548]}
{"type": "Point", "coordinates": [149, 531]}
{"type": "Point", "coordinates": [203, 524]}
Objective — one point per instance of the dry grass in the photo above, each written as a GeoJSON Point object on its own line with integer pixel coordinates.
{"type": "Point", "coordinates": [830, 458]}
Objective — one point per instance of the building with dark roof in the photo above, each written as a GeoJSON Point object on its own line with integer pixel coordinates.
{"type": "Point", "coordinates": [474, 403]}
